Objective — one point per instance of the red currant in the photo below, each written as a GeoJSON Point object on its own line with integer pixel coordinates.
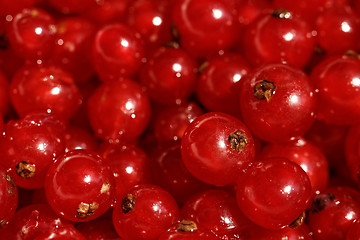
{"type": "Point", "coordinates": [218, 85]}
{"type": "Point", "coordinates": [44, 88]}
{"type": "Point", "coordinates": [8, 196]}
{"type": "Point", "coordinates": [32, 33]}
{"type": "Point", "coordinates": [119, 110]}
{"type": "Point", "coordinates": [334, 73]}
{"type": "Point", "coordinates": [277, 102]}
{"type": "Point", "coordinates": [216, 148]}
{"type": "Point", "coordinates": [169, 75]}
{"type": "Point", "coordinates": [145, 213]}
{"type": "Point", "coordinates": [129, 164]}
{"type": "Point", "coordinates": [118, 51]}
{"type": "Point", "coordinates": [43, 136]}
{"type": "Point", "coordinates": [277, 37]}
{"type": "Point", "coordinates": [216, 211]}
{"type": "Point", "coordinates": [274, 193]}
{"type": "Point", "coordinates": [310, 158]}
{"type": "Point", "coordinates": [205, 27]}
{"type": "Point", "coordinates": [79, 185]}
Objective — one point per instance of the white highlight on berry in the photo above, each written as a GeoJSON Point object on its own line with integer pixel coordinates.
{"type": "Point", "coordinates": [124, 43]}
{"type": "Point", "coordinates": [294, 99]}
{"type": "Point", "coordinates": [129, 106]}
{"type": "Point", "coordinates": [355, 82]}
{"type": "Point", "coordinates": [129, 169]}
{"type": "Point", "coordinates": [157, 21]}
{"type": "Point", "coordinates": [345, 27]}
{"type": "Point", "coordinates": [176, 67]}
{"type": "Point", "coordinates": [217, 13]}
{"type": "Point", "coordinates": [87, 179]}
{"type": "Point", "coordinates": [38, 30]}
{"type": "Point", "coordinates": [288, 36]}
{"type": "Point", "coordinates": [287, 189]}
{"type": "Point", "coordinates": [350, 215]}
{"type": "Point", "coordinates": [55, 91]}
{"type": "Point", "coordinates": [236, 78]}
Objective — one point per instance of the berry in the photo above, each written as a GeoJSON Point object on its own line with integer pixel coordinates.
{"type": "Point", "coordinates": [8, 196]}
{"type": "Point", "coordinates": [216, 148]}
{"type": "Point", "coordinates": [187, 230]}
{"type": "Point", "coordinates": [44, 88]}
{"type": "Point", "coordinates": [118, 51]}
{"type": "Point", "coordinates": [274, 193]}
{"type": "Point", "coordinates": [130, 166]}
{"type": "Point", "coordinates": [218, 84]}
{"type": "Point", "coordinates": [205, 27]}
{"type": "Point", "coordinates": [307, 155]}
{"type": "Point", "coordinates": [43, 136]}
{"type": "Point", "coordinates": [79, 185]}
{"type": "Point", "coordinates": [145, 213]}
{"type": "Point", "coordinates": [337, 30]}
{"type": "Point", "coordinates": [334, 73]}
{"type": "Point", "coordinates": [169, 76]}
{"type": "Point", "coordinates": [216, 211]}
{"type": "Point", "coordinates": [332, 214]}
{"type": "Point", "coordinates": [119, 110]}
{"type": "Point", "coordinates": [279, 36]}
{"type": "Point", "coordinates": [277, 102]}
{"type": "Point", "coordinates": [32, 34]}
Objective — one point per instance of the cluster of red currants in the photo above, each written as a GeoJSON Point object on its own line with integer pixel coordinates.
{"type": "Point", "coordinates": [179, 119]}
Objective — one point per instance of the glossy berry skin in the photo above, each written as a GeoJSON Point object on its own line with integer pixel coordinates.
{"type": "Point", "coordinates": [170, 122]}
{"type": "Point", "coordinates": [334, 73]}
{"type": "Point", "coordinates": [145, 213]}
{"type": "Point", "coordinates": [11, 8]}
{"type": "Point", "coordinates": [330, 139]}
{"type": "Point", "coordinates": [79, 185]}
{"type": "Point", "coordinates": [216, 148]}
{"type": "Point", "coordinates": [277, 102]}
{"type": "Point", "coordinates": [42, 134]}
{"type": "Point", "coordinates": [71, 6]}
{"type": "Point", "coordinates": [130, 166]}
{"type": "Point", "coordinates": [205, 27]}
{"type": "Point", "coordinates": [117, 51]}
{"type": "Point", "coordinates": [249, 10]}
{"type": "Point", "coordinates": [352, 152]}
{"type": "Point", "coordinates": [8, 196]}
{"type": "Point", "coordinates": [4, 95]}
{"type": "Point", "coordinates": [32, 33]}
{"type": "Point", "coordinates": [108, 11]}
{"type": "Point", "coordinates": [44, 88]}
{"type": "Point", "coordinates": [151, 19]}
{"type": "Point", "coordinates": [74, 38]}
{"type": "Point", "coordinates": [354, 231]}
{"type": "Point", "coordinates": [97, 229]}
{"type": "Point", "coordinates": [338, 30]}
{"type": "Point", "coordinates": [67, 232]}
{"type": "Point", "coordinates": [33, 220]}
{"type": "Point", "coordinates": [169, 75]}
{"type": "Point", "coordinates": [259, 233]}
{"type": "Point", "coordinates": [306, 154]}
{"type": "Point", "coordinates": [178, 232]}
{"type": "Point", "coordinates": [79, 138]}
{"type": "Point", "coordinates": [216, 211]}
{"type": "Point", "coordinates": [309, 9]}
{"type": "Point", "coordinates": [332, 214]}
{"type": "Point", "coordinates": [119, 110]}
{"type": "Point", "coordinates": [218, 85]}
{"type": "Point", "coordinates": [277, 37]}
{"type": "Point", "coordinates": [274, 192]}
{"type": "Point", "coordinates": [169, 172]}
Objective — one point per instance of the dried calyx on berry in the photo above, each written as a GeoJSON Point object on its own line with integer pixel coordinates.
{"type": "Point", "coordinates": [264, 90]}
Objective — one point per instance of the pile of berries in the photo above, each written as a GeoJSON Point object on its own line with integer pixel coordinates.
{"type": "Point", "coordinates": [179, 119]}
